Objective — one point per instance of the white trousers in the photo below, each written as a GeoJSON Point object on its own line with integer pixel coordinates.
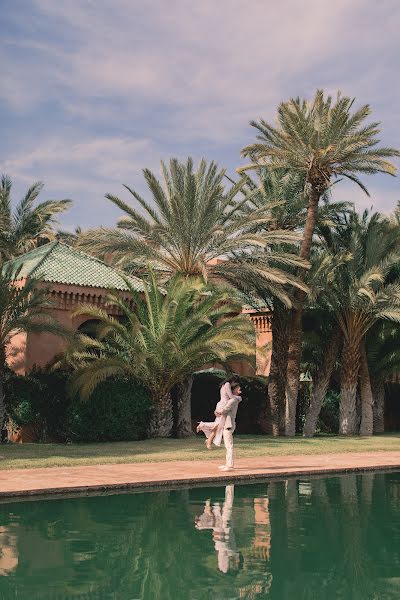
{"type": "Point", "coordinates": [228, 443]}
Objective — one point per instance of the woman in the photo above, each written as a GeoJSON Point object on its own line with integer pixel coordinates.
{"type": "Point", "coordinates": [214, 430]}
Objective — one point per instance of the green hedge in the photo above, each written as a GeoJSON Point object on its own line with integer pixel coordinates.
{"type": "Point", "coordinates": [118, 409]}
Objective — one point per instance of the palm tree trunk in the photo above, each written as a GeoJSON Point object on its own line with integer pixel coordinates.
{"type": "Point", "coordinates": [367, 399]}
{"type": "Point", "coordinates": [277, 375]}
{"type": "Point", "coordinates": [321, 382]}
{"type": "Point", "coordinates": [161, 421]}
{"type": "Point", "coordinates": [2, 391]}
{"type": "Point", "coordinates": [2, 405]}
{"type": "Point", "coordinates": [183, 415]}
{"type": "Point", "coordinates": [293, 370]}
{"type": "Point", "coordinates": [378, 392]}
{"type": "Point", "coordinates": [296, 329]}
{"type": "Point", "coordinates": [350, 367]}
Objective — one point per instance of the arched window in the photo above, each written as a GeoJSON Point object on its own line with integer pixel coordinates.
{"type": "Point", "coordinates": [89, 327]}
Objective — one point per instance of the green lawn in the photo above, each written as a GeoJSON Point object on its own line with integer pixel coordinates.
{"type": "Point", "coordinates": [25, 456]}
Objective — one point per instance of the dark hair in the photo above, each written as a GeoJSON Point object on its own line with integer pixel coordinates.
{"type": "Point", "coordinates": [231, 381]}
{"type": "Point", "coordinates": [235, 386]}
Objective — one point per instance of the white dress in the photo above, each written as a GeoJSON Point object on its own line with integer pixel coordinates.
{"type": "Point", "coordinates": [207, 427]}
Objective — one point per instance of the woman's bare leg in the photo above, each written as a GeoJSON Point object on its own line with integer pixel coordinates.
{"type": "Point", "coordinates": [211, 438]}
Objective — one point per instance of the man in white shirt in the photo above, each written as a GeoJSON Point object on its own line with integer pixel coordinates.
{"type": "Point", "coordinates": [230, 411]}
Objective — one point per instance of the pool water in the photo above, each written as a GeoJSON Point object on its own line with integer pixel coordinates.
{"type": "Point", "coordinates": [305, 539]}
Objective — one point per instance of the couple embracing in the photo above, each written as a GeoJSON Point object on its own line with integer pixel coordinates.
{"type": "Point", "coordinates": [225, 422]}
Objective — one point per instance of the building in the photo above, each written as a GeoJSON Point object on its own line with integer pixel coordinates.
{"type": "Point", "coordinates": [74, 277]}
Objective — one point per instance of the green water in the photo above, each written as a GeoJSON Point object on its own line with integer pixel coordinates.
{"type": "Point", "coordinates": [299, 540]}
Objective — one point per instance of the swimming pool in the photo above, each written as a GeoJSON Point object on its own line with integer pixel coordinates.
{"type": "Point", "coordinates": [305, 539]}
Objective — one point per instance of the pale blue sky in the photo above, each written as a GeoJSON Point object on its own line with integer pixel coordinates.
{"type": "Point", "coordinates": [93, 91]}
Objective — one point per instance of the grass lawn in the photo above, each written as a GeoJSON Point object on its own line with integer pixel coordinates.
{"type": "Point", "coordinates": [24, 456]}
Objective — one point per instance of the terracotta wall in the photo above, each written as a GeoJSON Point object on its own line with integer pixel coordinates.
{"type": "Point", "coordinates": [37, 349]}
{"type": "Point", "coordinates": [27, 351]}
{"type": "Point", "coordinates": [263, 340]}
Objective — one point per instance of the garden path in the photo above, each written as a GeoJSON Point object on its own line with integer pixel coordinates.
{"type": "Point", "coordinates": [101, 478]}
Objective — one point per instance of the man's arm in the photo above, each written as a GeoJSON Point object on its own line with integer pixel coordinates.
{"type": "Point", "coordinates": [228, 406]}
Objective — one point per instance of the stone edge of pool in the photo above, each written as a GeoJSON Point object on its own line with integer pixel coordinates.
{"type": "Point", "coordinates": [149, 483]}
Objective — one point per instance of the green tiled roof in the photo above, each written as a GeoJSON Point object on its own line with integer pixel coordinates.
{"type": "Point", "coordinates": [59, 263]}
{"type": "Point", "coordinates": [250, 302]}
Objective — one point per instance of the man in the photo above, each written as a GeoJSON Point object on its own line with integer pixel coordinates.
{"type": "Point", "coordinates": [220, 521]}
{"type": "Point", "coordinates": [230, 411]}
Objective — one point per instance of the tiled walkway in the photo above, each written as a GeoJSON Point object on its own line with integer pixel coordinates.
{"type": "Point", "coordinates": [28, 482]}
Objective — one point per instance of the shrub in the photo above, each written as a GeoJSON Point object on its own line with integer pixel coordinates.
{"type": "Point", "coordinates": [22, 399]}
{"type": "Point", "coordinates": [117, 410]}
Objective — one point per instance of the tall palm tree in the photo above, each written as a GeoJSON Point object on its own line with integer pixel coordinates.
{"type": "Point", "coordinates": [323, 140]}
{"type": "Point", "coordinates": [283, 191]}
{"type": "Point", "coordinates": [194, 226]}
{"type": "Point", "coordinates": [323, 338]}
{"type": "Point", "coordinates": [383, 352]}
{"type": "Point", "coordinates": [326, 347]}
{"type": "Point", "coordinates": [359, 296]}
{"type": "Point", "coordinates": [165, 338]}
{"type": "Point", "coordinates": [27, 226]}
{"type": "Point", "coordinates": [22, 309]}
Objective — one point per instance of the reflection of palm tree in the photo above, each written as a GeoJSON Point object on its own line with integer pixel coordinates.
{"type": "Point", "coordinates": [357, 568]}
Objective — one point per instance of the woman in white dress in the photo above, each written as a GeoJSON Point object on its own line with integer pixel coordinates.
{"type": "Point", "coordinates": [213, 430]}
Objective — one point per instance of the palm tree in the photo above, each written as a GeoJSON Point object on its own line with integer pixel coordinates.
{"type": "Point", "coordinates": [194, 226]}
{"type": "Point", "coordinates": [322, 140]}
{"type": "Point", "coordinates": [70, 237]}
{"type": "Point", "coordinates": [321, 368]}
{"type": "Point", "coordinates": [283, 192]}
{"type": "Point", "coordinates": [162, 340]}
{"type": "Point", "coordinates": [22, 309]}
{"type": "Point", "coordinates": [323, 339]}
{"type": "Point", "coordinates": [360, 296]}
{"type": "Point", "coordinates": [27, 226]}
{"type": "Point", "coordinates": [383, 352]}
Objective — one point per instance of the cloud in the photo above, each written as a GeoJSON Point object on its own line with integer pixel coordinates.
{"type": "Point", "coordinates": [84, 171]}
{"type": "Point", "coordinates": [92, 94]}
{"type": "Point", "coordinates": [383, 198]}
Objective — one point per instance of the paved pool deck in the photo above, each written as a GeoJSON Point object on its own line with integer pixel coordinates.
{"type": "Point", "coordinates": [100, 478]}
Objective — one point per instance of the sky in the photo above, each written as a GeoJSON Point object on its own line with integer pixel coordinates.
{"type": "Point", "coordinates": [93, 91]}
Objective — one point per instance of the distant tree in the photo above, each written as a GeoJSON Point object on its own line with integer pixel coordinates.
{"type": "Point", "coordinates": [27, 226]}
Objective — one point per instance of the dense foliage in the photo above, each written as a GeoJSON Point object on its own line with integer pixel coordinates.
{"type": "Point", "coordinates": [117, 409]}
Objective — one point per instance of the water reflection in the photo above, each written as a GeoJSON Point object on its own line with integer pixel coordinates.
{"type": "Point", "coordinates": [311, 539]}
{"type": "Point", "coordinates": [8, 552]}
{"type": "Point", "coordinates": [219, 520]}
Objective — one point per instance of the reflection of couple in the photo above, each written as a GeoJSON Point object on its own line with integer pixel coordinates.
{"type": "Point", "coordinates": [225, 422]}
{"type": "Point", "coordinates": [220, 521]}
